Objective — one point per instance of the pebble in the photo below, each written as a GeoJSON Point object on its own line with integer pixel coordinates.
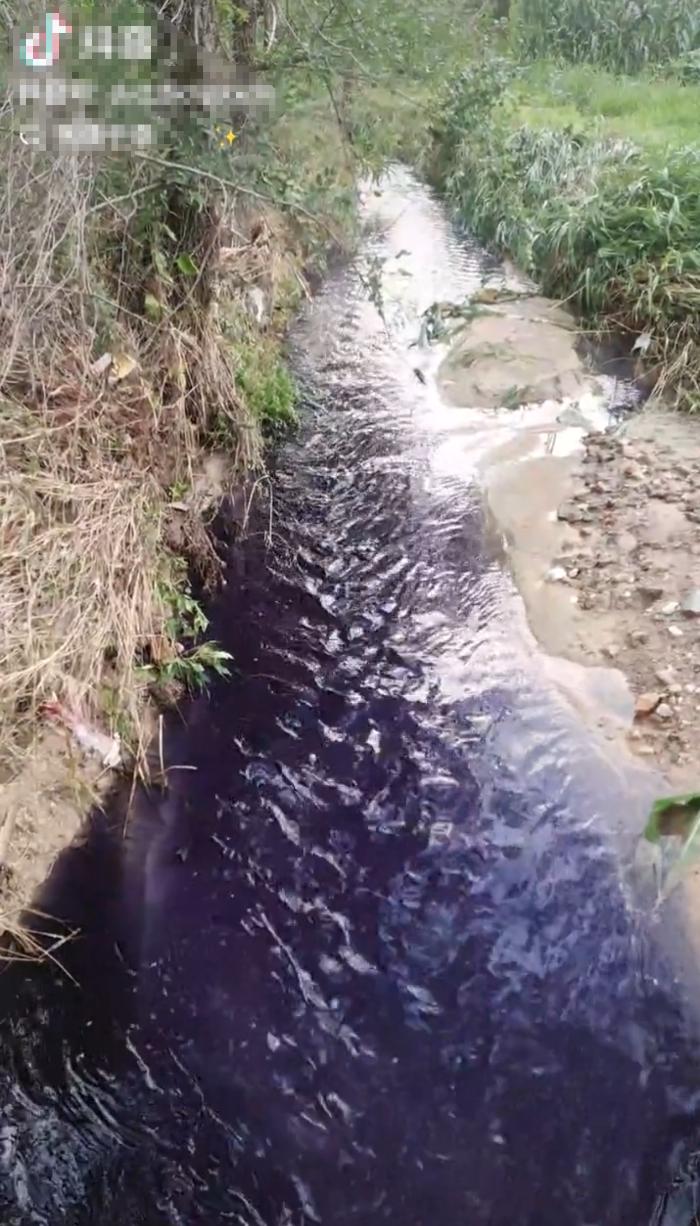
{"type": "Point", "coordinates": [666, 675]}
{"type": "Point", "coordinates": [663, 711]}
{"type": "Point", "coordinates": [627, 542]}
{"type": "Point", "coordinates": [675, 632]}
{"type": "Point", "coordinates": [672, 606]}
{"type": "Point", "coordinates": [690, 603]}
{"type": "Point", "coordinates": [567, 512]}
{"type": "Point", "coordinates": [632, 469]}
{"type": "Point", "coordinates": [653, 591]}
{"type": "Point", "coordinates": [635, 637]}
{"type": "Point", "coordinates": [646, 703]}
{"type": "Point", "coordinates": [556, 574]}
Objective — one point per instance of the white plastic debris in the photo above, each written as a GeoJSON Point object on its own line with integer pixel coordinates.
{"type": "Point", "coordinates": [102, 364]}
{"type": "Point", "coordinates": [690, 603]}
{"type": "Point", "coordinates": [642, 343]}
{"type": "Point", "coordinates": [91, 739]}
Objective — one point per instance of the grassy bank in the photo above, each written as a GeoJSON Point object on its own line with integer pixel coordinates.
{"type": "Point", "coordinates": [144, 301]}
{"type": "Point", "coordinates": [590, 181]}
{"type": "Point", "coordinates": [144, 297]}
{"type": "Point", "coordinates": [656, 114]}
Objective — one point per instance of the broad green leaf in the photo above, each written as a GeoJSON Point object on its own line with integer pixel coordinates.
{"type": "Point", "coordinates": [186, 265]}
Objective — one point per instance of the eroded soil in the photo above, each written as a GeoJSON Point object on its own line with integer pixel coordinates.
{"type": "Point", "coordinates": [605, 547]}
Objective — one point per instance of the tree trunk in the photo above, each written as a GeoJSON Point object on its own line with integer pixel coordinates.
{"type": "Point", "coordinates": [246, 31]}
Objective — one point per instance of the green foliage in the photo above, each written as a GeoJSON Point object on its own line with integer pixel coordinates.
{"type": "Point", "coordinates": [626, 35]}
{"type": "Point", "coordinates": [186, 265]}
{"type": "Point", "coordinates": [440, 318]}
{"type": "Point", "coordinates": [673, 816]}
{"type": "Point", "coordinates": [673, 828]}
{"type": "Point", "coordinates": [656, 113]}
{"type": "Point", "coordinates": [687, 68]}
{"type": "Point", "coordinates": [384, 39]}
{"type": "Point", "coordinates": [185, 622]}
{"type": "Point", "coordinates": [468, 99]}
{"type": "Point", "coordinates": [192, 669]}
{"type": "Point", "coordinates": [186, 618]}
{"type": "Point", "coordinates": [599, 222]}
{"type": "Point", "coordinates": [266, 385]}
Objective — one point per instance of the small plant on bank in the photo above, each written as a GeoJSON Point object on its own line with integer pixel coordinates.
{"type": "Point", "coordinates": [266, 385]}
{"type": "Point", "coordinates": [673, 828]}
{"type": "Point", "coordinates": [191, 669]}
{"type": "Point", "coordinates": [177, 658]}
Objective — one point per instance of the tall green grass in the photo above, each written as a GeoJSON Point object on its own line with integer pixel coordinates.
{"type": "Point", "coordinates": [656, 114]}
{"type": "Point", "coordinates": [626, 35]}
{"type": "Point", "coordinates": [610, 227]}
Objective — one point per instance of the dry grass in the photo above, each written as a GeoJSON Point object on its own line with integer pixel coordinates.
{"type": "Point", "coordinates": [81, 546]}
{"type": "Point", "coordinates": [120, 371]}
{"type": "Point", "coordinates": [22, 943]}
{"type": "Point", "coordinates": [87, 458]}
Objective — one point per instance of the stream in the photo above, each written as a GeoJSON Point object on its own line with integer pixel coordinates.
{"type": "Point", "coordinates": [381, 954]}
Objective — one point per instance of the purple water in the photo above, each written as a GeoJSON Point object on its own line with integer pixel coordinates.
{"type": "Point", "coordinates": [381, 957]}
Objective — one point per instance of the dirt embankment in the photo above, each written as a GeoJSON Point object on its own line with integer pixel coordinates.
{"type": "Point", "coordinates": [109, 482]}
{"type": "Point", "coordinates": [600, 526]}
{"type": "Point", "coordinates": [605, 547]}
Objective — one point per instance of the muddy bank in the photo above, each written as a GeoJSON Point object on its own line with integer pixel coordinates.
{"type": "Point", "coordinates": [43, 810]}
{"type": "Point", "coordinates": [109, 547]}
{"type": "Point", "coordinates": [598, 516]}
{"type": "Point", "coordinates": [604, 547]}
{"type": "Point", "coordinates": [516, 349]}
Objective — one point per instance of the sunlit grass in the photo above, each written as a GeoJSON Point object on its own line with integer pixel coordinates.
{"type": "Point", "coordinates": [657, 114]}
{"type": "Point", "coordinates": [616, 34]}
{"type": "Point", "coordinates": [602, 209]}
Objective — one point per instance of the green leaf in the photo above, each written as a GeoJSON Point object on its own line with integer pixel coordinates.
{"type": "Point", "coordinates": [161, 265]}
{"type": "Point", "coordinates": [674, 815]}
{"type": "Point", "coordinates": [153, 308]}
{"type": "Point", "coordinates": [186, 265]}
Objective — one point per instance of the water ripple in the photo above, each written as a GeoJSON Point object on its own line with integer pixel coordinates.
{"type": "Point", "coordinates": [379, 955]}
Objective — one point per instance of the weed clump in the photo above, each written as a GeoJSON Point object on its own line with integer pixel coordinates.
{"type": "Point", "coordinates": [598, 220]}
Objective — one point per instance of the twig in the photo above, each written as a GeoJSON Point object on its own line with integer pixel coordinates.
{"type": "Point", "coordinates": [6, 835]}
{"type": "Point", "coordinates": [160, 745]}
{"type": "Point", "coordinates": [238, 187]}
{"type": "Point", "coordinates": [113, 200]}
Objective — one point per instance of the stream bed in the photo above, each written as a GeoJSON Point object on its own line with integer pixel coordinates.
{"type": "Point", "coordinates": [380, 955]}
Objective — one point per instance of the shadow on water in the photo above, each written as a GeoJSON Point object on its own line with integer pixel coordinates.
{"type": "Point", "coordinates": [380, 956]}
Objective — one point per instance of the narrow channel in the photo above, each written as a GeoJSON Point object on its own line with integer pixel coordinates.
{"type": "Point", "coordinates": [380, 955]}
